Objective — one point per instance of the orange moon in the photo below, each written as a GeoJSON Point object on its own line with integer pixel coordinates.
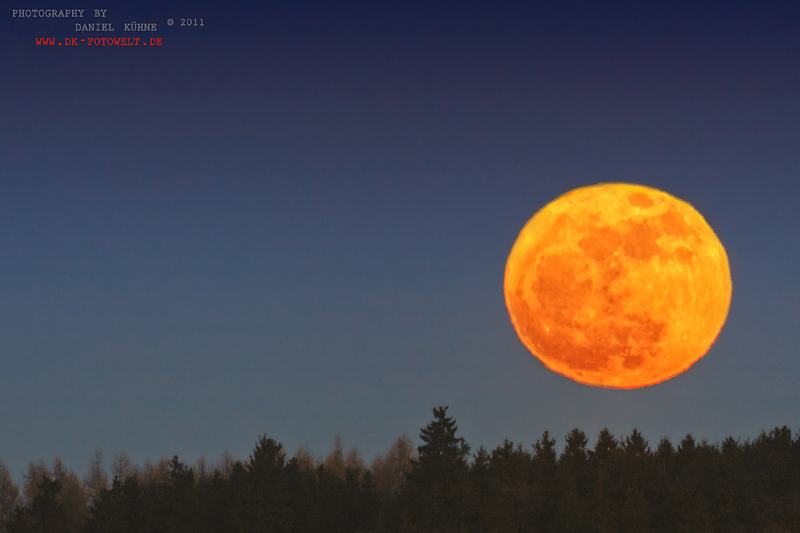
{"type": "Point", "coordinates": [618, 285]}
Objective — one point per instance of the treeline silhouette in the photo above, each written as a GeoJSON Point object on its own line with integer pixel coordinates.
{"type": "Point", "coordinates": [622, 485]}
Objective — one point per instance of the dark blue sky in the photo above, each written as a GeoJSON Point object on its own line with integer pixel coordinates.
{"type": "Point", "coordinates": [295, 220]}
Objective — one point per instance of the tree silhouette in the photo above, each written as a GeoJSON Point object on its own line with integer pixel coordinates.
{"type": "Point", "coordinates": [9, 496]}
{"type": "Point", "coordinates": [442, 447]}
{"type": "Point", "coordinates": [437, 496]}
{"type": "Point", "coordinates": [261, 490]}
{"type": "Point", "coordinates": [120, 509]}
{"type": "Point", "coordinates": [604, 464]}
{"type": "Point", "coordinates": [544, 492]}
{"type": "Point", "coordinates": [620, 485]}
{"type": "Point", "coordinates": [96, 478]}
{"type": "Point", "coordinates": [388, 475]}
{"type": "Point", "coordinates": [511, 492]}
{"type": "Point", "coordinates": [44, 514]}
{"type": "Point", "coordinates": [574, 485]}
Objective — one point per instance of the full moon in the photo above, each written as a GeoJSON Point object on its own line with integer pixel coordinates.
{"type": "Point", "coordinates": [618, 285]}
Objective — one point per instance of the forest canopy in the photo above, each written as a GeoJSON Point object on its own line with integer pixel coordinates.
{"type": "Point", "coordinates": [621, 484]}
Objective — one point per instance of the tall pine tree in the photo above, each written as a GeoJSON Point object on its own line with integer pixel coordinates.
{"type": "Point", "coordinates": [437, 496]}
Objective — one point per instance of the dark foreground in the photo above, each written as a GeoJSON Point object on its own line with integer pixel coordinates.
{"type": "Point", "coordinates": [619, 486]}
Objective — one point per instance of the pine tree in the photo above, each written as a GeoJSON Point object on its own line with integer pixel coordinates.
{"type": "Point", "coordinates": [442, 447]}
{"type": "Point", "coordinates": [636, 512]}
{"type": "Point", "coordinates": [437, 495]}
{"type": "Point", "coordinates": [120, 509]}
{"type": "Point", "coordinates": [263, 499]}
{"type": "Point", "coordinates": [544, 497]}
{"type": "Point", "coordinates": [43, 513]}
{"type": "Point", "coordinates": [604, 465]}
{"type": "Point", "coordinates": [574, 485]}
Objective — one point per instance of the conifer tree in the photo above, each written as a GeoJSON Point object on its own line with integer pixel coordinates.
{"type": "Point", "coordinates": [44, 513]}
{"type": "Point", "coordinates": [263, 499]}
{"type": "Point", "coordinates": [574, 482]}
{"type": "Point", "coordinates": [442, 447]}
{"type": "Point", "coordinates": [436, 496]}
{"type": "Point", "coordinates": [604, 466]}
{"type": "Point", "coordinates": [544, 497]}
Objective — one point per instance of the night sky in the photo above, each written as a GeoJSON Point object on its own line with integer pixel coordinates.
{"type": "Point", "coordinates": [294, 220]}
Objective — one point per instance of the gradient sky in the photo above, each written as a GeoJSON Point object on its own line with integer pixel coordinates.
{"type": "Point", "coordinates": [294, 221]}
